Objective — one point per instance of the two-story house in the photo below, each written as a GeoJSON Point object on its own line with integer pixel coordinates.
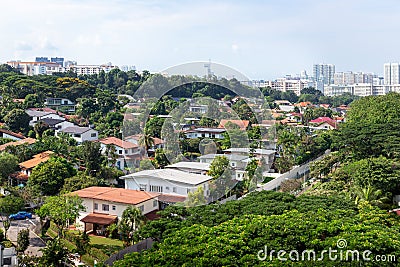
{"type": "Point", "coordinates": [167, 181]}
{"type": "Point", "coordinates": [105, 205]}
{"type": "Point", "coordinates": [62, 104]}
{"type": "Point", "coordinates": [127, 153]}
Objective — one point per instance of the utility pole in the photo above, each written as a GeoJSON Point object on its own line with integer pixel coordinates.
{"type": "Point", "coordinates": [1, 255]}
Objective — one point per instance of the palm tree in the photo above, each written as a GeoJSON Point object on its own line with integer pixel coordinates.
{"type": "Point", "coordinates": [132, 219]}
{"type": "Point", "coordinates": [368, 194]}
{"type": "Point", "coordinates": [146, 140]}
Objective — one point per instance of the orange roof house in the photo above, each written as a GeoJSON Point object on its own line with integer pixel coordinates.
{"type": "Point", "coordinates": [28, 141]}
{"type": "Point", "coordinates": [36, 160]}
{"type": "Point", "coordinates": [243, 124]}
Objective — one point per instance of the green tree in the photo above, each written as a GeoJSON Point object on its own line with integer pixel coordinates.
{"type": "Point", "coordinates": [196, 198]}
{"type": "Point", "coordinates": [90, 153]}
{"type": "Point", "coordinates": [61, 210]}
{"type": "Point", "coordinates": [54, 254]}
{"type": "Point", "coordinates": [131, 221]}
{"type": "Point", "coordinates": [11, 204]}
{"type": "Point", "coordinates": [82, 243]}
{"type": "Point", "coordinates": [146, 165]}
{"type": "Point", "coordinates": [218, 166]}
{"type": "Point", "coordinates": [80, 181]}
{"type": "Point", "coordinates": [23, 240]}
{"type": "Point", "coordinates": [9, 164]}
{"type": "Point", "coordinates": [17, 120]}
{"type": "Point", "coordinates": [49, 176]}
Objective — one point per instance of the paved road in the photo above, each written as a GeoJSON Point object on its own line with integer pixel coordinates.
{"type": "Point", "coordinates": [35, 243]}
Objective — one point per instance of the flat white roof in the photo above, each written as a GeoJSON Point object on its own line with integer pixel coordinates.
{"type": "Point", "coordinates": [247, 150]}
{"type": "Point", "coordinates": [190, 165]}
{"type": "Point", "coordinates": [170, 175]}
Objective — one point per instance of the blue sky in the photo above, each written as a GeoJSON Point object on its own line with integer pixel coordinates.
{"type": "Point", "coordinates": [262, 39]}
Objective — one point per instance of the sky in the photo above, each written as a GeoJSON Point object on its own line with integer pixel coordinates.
{"type": "Point", "coordinates": [261, 39]}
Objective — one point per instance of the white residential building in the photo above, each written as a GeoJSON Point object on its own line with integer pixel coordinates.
{"type": "Point", "coordinates": [167, 181]}
{"type": "Point", "coordinates": [80, 134]}
{"type": "Point", "coordinates": [205, 133]}
{"type": "Point", "coordinates": [105, 205]}
{"type": "Point", "coordinates": [91, 69]}
{"type": "Point", "coordinates": [287, 85]}
{"type": "Point", "coordinates": [198, 108]}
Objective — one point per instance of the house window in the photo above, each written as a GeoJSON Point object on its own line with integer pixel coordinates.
{"type": "Point", "coordinates": [142, 187]}
{"type": "Point", "coordinates": [174, 189]}
{"type": "Point", "coordinates": [141, 208]}
{"type": "Point", "coordinates": [114, 207]}
{"type": "Point", "coordinates": [77, 135]}
{"type": "Point", "coordinates": [155, 203]}
{"type": "Point", "coordinates": [120, 152]}
{"type": "Point", "coordinates": [96, 206]}
{"type": "Point", "coordinates": [233, 164]}
{"type": "Point", "coordinates": [105, 207]}
{"type": "Point", "coordinates": [93, 135]}
{"type": "Point", "coordinates": [156, 188]}
{"type": "Point", "coordinates": [126, 151]}
{"type": "Point", "coordinates": [188, 190]}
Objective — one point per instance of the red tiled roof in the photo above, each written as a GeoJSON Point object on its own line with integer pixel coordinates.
{"type": "Point", "coordinates": [243, 124]}
{"type": "Point", "coordinates": [28, 141]}
{"type": "Point", "coordinates": [99, 218]}
{"type": "Point", "coordinates": [17, 135]}
{"type": "Point", "coordinates": [36, 160]}
{"type": "Point", "coordinates": [117, 142]}
{"type": "Point", "coordinates": [321, 120]}
{"type": "Point", "coordinates": [19, 176]}
{"type": "Point", "coordinates": [303, 104]}
{"type": "Point", "coordinates": [171, 198]}
{"type": "Point", "coordinates": [119, 195]}
{"type": "Point", "coordinates": [152, 215]}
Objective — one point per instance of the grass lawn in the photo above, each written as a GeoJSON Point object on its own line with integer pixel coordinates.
{"type": "Point", "coordinates": [98, 240]}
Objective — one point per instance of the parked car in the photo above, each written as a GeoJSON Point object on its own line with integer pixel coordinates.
{"type": "Point", "coordinates": [21, 215]}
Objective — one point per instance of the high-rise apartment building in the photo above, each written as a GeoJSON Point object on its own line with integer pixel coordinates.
{"type": "Point", "coordinates": [391, 73]}
{"type": "Point", "coordinates": [324, 73]}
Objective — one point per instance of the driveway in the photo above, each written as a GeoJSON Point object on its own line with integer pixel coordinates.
{"type": "Point", "coordinates": [35, 242]}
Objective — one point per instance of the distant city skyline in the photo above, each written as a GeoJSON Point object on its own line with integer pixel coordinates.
{"type": "Point", "coordinates": [261, 39]}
